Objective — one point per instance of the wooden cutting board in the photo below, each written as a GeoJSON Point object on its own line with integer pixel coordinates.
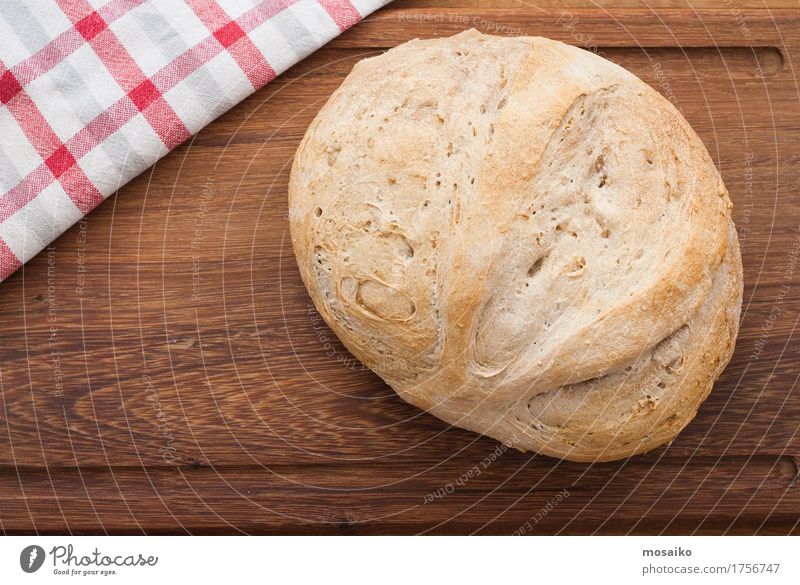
{"type": "Point", "coordinates": [162, 368]}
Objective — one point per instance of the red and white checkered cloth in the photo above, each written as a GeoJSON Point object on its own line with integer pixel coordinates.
{"type": "Point", "coordinates": [92, 92]}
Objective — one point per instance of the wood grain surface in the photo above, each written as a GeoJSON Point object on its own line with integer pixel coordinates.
{"type": "Point", "coordinates": [163, 371]}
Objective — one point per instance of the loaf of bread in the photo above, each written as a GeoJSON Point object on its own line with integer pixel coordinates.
{"type": "Point", "coordinates": [523, 239]}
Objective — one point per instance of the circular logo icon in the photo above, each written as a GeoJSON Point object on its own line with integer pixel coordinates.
{"type": "Point", "coordinates": [31, 558]}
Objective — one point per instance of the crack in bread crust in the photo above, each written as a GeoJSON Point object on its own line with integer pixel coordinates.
{"type": "Point", "coordinates": [512, 233]}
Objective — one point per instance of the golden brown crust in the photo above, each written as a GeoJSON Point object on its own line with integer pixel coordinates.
{"type": "Point", "coordinates": [512, 233]}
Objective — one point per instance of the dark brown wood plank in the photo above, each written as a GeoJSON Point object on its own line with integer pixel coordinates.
{"type": "Point", "coordinates": [728, 495]}
{"type": "Point", "coordinates": [635, 27]}
{"type": "Point", "coordinates": [534, 5]}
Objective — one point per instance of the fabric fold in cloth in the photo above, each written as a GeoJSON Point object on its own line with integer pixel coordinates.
{"type": "Point", "coordinates": [93, 92]}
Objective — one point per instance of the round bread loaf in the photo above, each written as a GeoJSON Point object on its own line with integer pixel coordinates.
{"type": "Point", "coordinates": [523, 239]}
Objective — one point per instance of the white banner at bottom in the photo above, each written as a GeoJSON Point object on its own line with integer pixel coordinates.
{"type": "Point", "coordinates": [400, 560]}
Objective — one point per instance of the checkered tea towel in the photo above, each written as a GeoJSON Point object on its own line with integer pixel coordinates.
{"type": "Point", "coordinates": [92, 92]}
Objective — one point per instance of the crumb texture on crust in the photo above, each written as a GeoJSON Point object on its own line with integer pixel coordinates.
{"type": "Point", "coordinates": [522, 238]}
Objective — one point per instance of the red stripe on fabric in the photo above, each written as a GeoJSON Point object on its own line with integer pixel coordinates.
{"type": "Point", "coordinates": [73, 180]}
{"type": "Point", "coordinates": [111, 52]}
{"type": "Point", "coordinates": [261, 13]}
{"type": "Point", "coordinates": [232, 36]}
{"type": "Point", "coordinates": [116, 59]}
{"type": "Point", "coordinates": [9, 87]}
{"type": "Point", "coordinates": [25, 191]}
{"type": "Point", "coordinates": [110, 121]}
{"type": "Point", "coordinates": [343, 13]}
{"type": "Point", "coordinates": [35, 126]}
{"type": "Point", "coordinates": [59, 162]}
{"type": "Point", "coordinates": [229, 34]}
{"type": "Point", "coordinates": [116, 9]}
{"type": "Point", "coordinates": [67, 43]}
{"type": "Point", "coordinates": [90, 26]}
{"type": "Point", "coordinates": [126, 72]}
{"type": "Point", "coordinates": [252, 63]}
{"type": "Point", "coordinates": [8, 261]}
{"type": "Point", "coordinates": [210, 14]}
{"type": "Point", "coordinates": [144, 94]}
{"type": "Point", "coordinates": [141, 91]}
{"type": "Point", "coordinates": [121, 112]}
{"type": "Point", "coordinates": [80, 189]}
{"type": "Point", "coordinates": [185, 64]}
{"type": "Point", "coordinates": [170, 130]}
{"type": "Point", "coordinates": [49, 56]}
{"type": "Point", "coordinates": [104, 125]}
{"type": "Point", "coordinates": [75, 10]}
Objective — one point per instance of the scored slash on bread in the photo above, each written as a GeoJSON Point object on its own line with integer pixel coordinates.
{"type": "Point", "coordinates": [523, 239]}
